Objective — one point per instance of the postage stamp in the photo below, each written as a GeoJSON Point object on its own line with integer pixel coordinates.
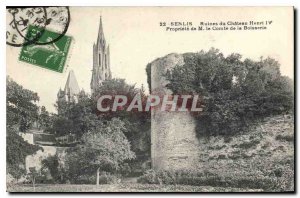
{"type": "Point", "coordinates": [52, 56]}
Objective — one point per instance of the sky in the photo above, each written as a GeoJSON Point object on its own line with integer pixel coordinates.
{"type": "Point", "coordinates": [136, 39]}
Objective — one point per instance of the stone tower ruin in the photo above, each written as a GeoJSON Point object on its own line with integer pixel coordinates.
{"type": "Point", "coordinates": [174, 144]}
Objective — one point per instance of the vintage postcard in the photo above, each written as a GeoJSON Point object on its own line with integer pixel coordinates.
{"type": "Point", "coordinates": [150, 99]}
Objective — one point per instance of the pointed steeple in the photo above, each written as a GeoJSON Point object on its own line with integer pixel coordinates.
{"type": "Point", "coordinates": [71, 88]}
{"type": "Point", "coordinates": [101, 60]}
{"type": "Point", "coordinates": [101, 38]}
{"type": "Point", "coordinates": [60, 92]}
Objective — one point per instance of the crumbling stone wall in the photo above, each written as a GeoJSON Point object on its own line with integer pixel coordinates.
{"type": "Point", "coordinates": [36, 159]}
{"type": "Point", "coordinates": [174, 144]}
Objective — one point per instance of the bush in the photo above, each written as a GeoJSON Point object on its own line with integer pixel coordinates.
{"type": "Point", "coordinates": [108, 178]}
{"type": "Point", "coordinates": [54, 168]}
{"type": "Point", "coordinates": [209, 179]}
{"type": "Point", "coordinates": [149, 177]}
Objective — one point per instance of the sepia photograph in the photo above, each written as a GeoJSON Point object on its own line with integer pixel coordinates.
{"type": "Point", "coordinates": [150, 99]}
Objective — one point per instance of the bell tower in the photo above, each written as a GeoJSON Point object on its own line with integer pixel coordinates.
{"type": "Point", "coordinates": [101, 61]}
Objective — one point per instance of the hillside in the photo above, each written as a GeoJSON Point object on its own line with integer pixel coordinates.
{"type": "Point", "coordinates": [265, 153]}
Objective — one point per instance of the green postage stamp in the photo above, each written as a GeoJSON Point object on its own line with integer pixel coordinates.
{"type": "Point", "coordinates": [52, 55]}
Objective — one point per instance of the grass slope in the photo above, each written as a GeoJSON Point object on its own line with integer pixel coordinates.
{"type": "Point", "coordinates": [266, 151]}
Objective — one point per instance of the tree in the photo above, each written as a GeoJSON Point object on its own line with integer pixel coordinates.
{"type": "Point", "coordinates": [116, 86]}
{"type": "Point", "coordinates": [235, 93]}
{"type": "Point", "coordinates": [76, 118]}
{"type": "Point", "coordinates": [82, 118]}
{"type": "Point", "coordinates": [21, 113]}
{"type": "Point", "coordinates": [103, 149]}
{"type": "Point", "coordinates": [52, 163]}
{"type": "Point", "coordinates": [44, 118]}
{"type": "Point", "coordinates": [20, 104]}
{"type": "Point", "coordinates": [32, 175]}
{"type": "Point", "coordinates": [137, 123]}
{"type": "Point", "coordinates": [16, 151]}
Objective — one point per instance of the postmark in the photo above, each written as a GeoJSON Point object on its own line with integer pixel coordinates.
{"type": "Point", "coordinates": [52, 55]}
{"type": "Point", "coordinates": [19, 18]}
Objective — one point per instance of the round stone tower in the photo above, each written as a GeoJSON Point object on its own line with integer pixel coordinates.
{"type": "Point", "coordinates": [174, 144]}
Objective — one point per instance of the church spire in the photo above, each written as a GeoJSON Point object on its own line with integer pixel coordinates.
{"type": "Point", "coordinates": [101, 38]}
{"type": "Point", "coordinates": [71, 87]}
{"type": "Point", "coordinates": [101, 61]}
{"type": "Point", "coordinates": [71, 90]}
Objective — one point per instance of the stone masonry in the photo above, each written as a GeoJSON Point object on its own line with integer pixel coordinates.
{"type": "Point", "coordinates": [174, 144]}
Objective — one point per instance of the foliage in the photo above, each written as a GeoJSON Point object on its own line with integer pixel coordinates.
{"type": "Point", "coordinates": [106, 147]}
{"type": "Point", "coordinates": [32, 175]}
{"type": "Point", "coordinates": [289, 138]}
{"type": "Point", "coordinates": [108, 144]}
{"type": "Point", "coordinates": [235, 93]}
{"type": "Point", "coordinates": [108, 178]}
{"type": "Point", "coordinates": [20, 105]}
{"type": "Point", "coordinates": [285, 181]}
{"type": "Point", "coordinates": [62, 126]}
{"type": "Point", "coordinates": [56, 170]}
{"type": "Point", "coordinates": [21, 112]}
{"type": "Point", "coordinates": [16, 151]}
{"type": "Point", "coordinates": [148, 72]}
{"type": "Point", "coordinates": [255, 154]}
{"type": "Point", "coordinates": [81, 117]}
{"type": "Point", "coordinates": [76, 118]}
{"type": "Point", "coordinates": [254, 160]}
{"type": "Point", "coordinates": [206, 178]}
{"type": "Point", "coordinates": [115, 87]}
{"type": "Point", "coordinates": [137, 123]}
{"type": "Point", "coordinates": [44, 118]}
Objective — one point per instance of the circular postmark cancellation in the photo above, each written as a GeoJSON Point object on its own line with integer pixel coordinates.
{"type": "Point", "coordinates": [18, 20]}
{"type": "Point", "coordinates": [19, 34]}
